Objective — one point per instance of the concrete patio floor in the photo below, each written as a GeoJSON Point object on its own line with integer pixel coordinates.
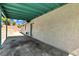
{"type": "Point", "coordinates": [27, 46]}
{"type": "Point", "coordinates": [18, 44]}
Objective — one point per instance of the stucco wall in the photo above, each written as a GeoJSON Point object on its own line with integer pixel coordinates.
{"type": "Point", "coordinates": [23, 30]}
{"type": "Point", "coordinates": [59, 28]}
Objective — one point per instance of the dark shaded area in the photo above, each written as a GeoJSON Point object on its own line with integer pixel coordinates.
{"type": "Point", "coordinates": [27, 46]}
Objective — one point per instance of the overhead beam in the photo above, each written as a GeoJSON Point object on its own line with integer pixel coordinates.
{"type": "Point", "coordinates": [3, 12]}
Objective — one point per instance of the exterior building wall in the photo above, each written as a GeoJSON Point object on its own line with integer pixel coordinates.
{"type": "Point", "coordinates": [23, 30]}
{"type": "Point", "coordinates": [59, 28]}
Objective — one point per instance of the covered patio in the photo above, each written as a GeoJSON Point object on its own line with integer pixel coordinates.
{"type": "Point", "coordinates": [24, 42]}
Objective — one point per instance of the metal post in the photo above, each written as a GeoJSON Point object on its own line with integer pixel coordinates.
{"type": "Point", "coordinates": [1, 14]}
{"type": "Point", "coordinates": [6, 29]}
{"type": "Point", "coordinates": [0, 28]}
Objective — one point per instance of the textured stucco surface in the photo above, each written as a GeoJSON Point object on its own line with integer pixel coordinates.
{"type": "Point", "coordinates": [23, 30]}
{"type": "Point", "coordinates": [59, 28]}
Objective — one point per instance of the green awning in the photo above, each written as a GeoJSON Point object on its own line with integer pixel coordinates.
{"type": "Point", "coordinates": [28, 11]}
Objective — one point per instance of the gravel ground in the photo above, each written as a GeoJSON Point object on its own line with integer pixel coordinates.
{"type": "Point", "coordinates": [27, 46]}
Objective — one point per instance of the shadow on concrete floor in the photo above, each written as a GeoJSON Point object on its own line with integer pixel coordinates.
{"type": "Point", "coordinates": [27, 46]}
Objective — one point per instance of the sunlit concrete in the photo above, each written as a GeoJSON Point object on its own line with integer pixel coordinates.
{"type": "Point", "coordinates": [12, 31]}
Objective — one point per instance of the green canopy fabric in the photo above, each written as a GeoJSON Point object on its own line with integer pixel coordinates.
{"type": "Point", "coordinates": [27, 11]}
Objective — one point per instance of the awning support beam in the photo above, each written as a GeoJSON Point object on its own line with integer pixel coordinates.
{"type": "Point", "coordinates": [0, 27]}
{"type": "Point", "coordinates": [2, 14]}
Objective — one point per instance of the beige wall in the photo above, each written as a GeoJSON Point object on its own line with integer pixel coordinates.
{"type": "Point", "coordinates": [59, 28]}
{"type": "Point", "coordinates": [27, 29]}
